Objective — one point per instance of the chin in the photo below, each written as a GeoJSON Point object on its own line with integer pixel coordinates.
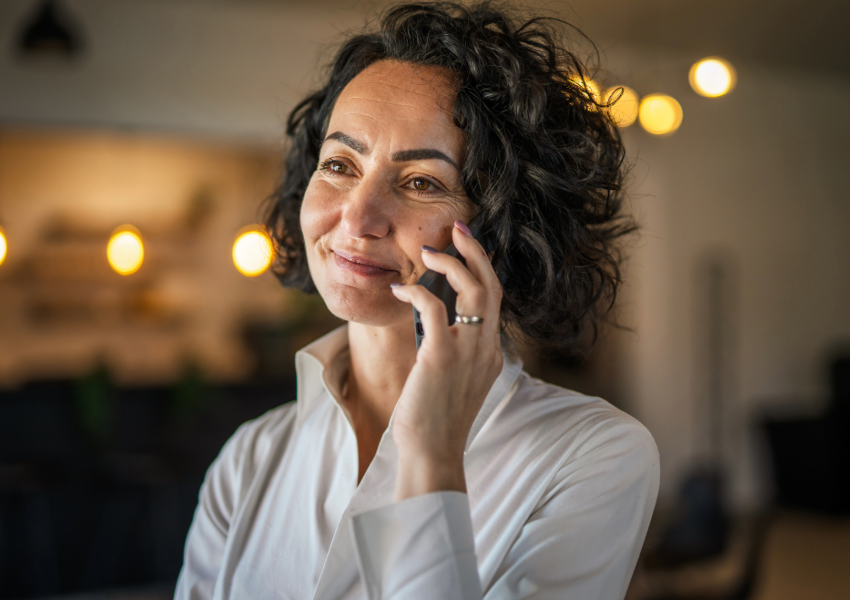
{"type": "Point", "coordinates": [366, 307]}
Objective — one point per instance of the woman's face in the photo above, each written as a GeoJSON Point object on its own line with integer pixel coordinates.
{"type": "Point", "coordinates": [388, 182]}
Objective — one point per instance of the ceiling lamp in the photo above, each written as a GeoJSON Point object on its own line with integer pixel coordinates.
{"type": "Point", "coordinates": [660, 114]}
{"type": "Point", "coordinates": [624, 110]}
{"type": "Point", "coordinates": [252, 252]}
{"type": "Point", "coordinates": [712, 77]}
{"type": "Point", "coordinates": [588, 85]}
{"type": "Point", "coordinates": [3, 246]}
{"type": "Point", "coordinates": [125, 250]}
{"type": "Point", "coordinates": [49, 34]}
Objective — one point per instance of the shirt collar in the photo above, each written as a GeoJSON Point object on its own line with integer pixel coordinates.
{"type": "Point", "coordinates": [320, 367]}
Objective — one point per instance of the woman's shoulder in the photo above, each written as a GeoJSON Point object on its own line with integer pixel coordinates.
{"type": "Point", "coordinates": [255, 439]}
{"type": "Point", "coordinates": [253, 442]}
{"type": "Point", "coordinates": [231, 475]}
{"type": "Point", "coordinates": [575, 424]}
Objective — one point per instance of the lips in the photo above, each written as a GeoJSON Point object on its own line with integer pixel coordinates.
{"type": "Point", "coordinates": [361, 265]}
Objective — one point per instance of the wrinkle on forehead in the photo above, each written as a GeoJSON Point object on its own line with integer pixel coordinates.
{"type": "Point", "coordinates": [381, 101]}
{"type": "Point", "coordinates": [435, 83]}
{"type": "Point", "coordinates": [426, 74]}
{"type": "Point", "coordinates": [384, 83]}
{"type": "Point", "coordinates": [398, 118]}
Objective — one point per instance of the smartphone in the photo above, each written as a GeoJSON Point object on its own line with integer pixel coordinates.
{"type": "Point", "coordinates": [438, 285]}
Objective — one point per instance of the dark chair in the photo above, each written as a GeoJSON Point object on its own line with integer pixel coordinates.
{"type": "Point", "coordinates": [811, 456]}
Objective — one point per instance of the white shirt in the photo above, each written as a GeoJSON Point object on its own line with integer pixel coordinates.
{"type": "Point", "coordinates": [561, 488]}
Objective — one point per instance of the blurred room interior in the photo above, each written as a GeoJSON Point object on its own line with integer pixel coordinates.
{"type": "Point", "coordinates": [162, 121]}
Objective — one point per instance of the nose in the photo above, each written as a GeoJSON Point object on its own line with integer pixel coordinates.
{"type": "Point", "coordinates": [366, 212]}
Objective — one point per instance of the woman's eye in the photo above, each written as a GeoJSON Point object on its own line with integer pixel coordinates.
{"type": "Point", "coordinates": [421, 185]}
{"type": "Point", "coordinates": [335, 166]}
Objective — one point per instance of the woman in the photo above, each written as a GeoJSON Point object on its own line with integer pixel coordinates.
{"type": "Point", "coordinates": [447, 472]}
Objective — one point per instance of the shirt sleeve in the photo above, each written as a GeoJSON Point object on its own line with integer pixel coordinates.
{"type": "Point", "coordinates": [580, 543]}
{"type": "Point", "coordinates": [419, 548]}
{"type": "Point", "coordinates": [205, 543]}
{"type": "Point", "coordinates": [584, 538]}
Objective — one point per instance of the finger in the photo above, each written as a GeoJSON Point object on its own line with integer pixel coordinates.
{"type": "Point", "coordinates": [471, 294]}
{"type": "Point", "coordinates": [431, 309]}
{"type": "Point", "coordinates": [477, 261]}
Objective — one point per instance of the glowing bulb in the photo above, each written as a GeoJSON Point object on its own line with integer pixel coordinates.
{"type": "Point", "coordinates": [594, 89]}
{"type": "Point", "coordinates": [660, 114]}
{"type": "Point", "coordinates": [252, 252]}
{"type": "Point", "coordinates": [3, 246]}
{"type": "Point", "coordinates": [712, 77]}
{"type": "Point", "coordinates": [588, 84]}
{"type": "Point", "coordinates": [624, 111]}
{"type": "Point", "coordinates": [125, 251]}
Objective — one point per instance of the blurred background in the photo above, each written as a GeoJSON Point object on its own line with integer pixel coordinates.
{"type": "Point", "coordinates": [139, 327]}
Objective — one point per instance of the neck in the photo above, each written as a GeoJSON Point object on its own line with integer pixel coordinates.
{"type": "Point", "coordinates": [381, 360]}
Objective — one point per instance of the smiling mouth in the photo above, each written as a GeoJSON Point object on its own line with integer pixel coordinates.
{"type": "Point", "coordinates": [360, 266]}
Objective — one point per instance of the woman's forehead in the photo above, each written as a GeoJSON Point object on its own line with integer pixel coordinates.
{"type": "Point", "coordinates": [394, 79]}
{"type": "Point", "coordinates": [399, 99]}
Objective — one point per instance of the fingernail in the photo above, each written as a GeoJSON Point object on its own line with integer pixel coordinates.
{"type": "Point", "coordinates": [462, 226]}
{"type": "Point", "coordinates": [430, 250]}
{"type": "Point", "coordinates": [395, 285]}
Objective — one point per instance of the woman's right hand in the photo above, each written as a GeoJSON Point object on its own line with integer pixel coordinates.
{"type": "Point", "coordinates": [454, 370]}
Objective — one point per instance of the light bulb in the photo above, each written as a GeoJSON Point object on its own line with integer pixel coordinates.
{"type": "Point", "coordinates": [252, 252]}
{"type": "Point", "coordinates": [593, 88]}
{"type": "Point", "coordinates": [660, 114]}
{"type": "Point", "coordinates": [3, 246]}
{"type": "Point", "coordinates": [125, 250]}
{"type": "Point", "coordinates": [712, 77]}
{"type": "Point", "coordinates": [624, 111]}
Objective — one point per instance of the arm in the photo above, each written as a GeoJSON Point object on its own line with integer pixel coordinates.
{"type": "Point", "coordinates": [581, 542]}
{"type": "Point", "coordinates": [454, 370]}
{"type": "Point", "coordinates": [207, 536]}
{"type": "Point", "coordinates": [421, 548]}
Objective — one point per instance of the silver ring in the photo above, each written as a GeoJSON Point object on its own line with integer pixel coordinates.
{"type": "Point", "coordinates": [468, 320]}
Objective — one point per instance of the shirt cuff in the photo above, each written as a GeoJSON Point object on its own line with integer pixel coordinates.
{"type": "Point", "coordinates": [420, 548]}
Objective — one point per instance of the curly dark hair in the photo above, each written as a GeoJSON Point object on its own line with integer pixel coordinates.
{"type": "Point", "coordinates": [544, 162]}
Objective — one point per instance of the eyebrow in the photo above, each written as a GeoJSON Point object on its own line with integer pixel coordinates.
{"type": "Point", "coordinates": [401, 156]}
{"type": "Point", "coordinates": [422, 154]}
{"type": "Point", "coordinates": [358, 147]}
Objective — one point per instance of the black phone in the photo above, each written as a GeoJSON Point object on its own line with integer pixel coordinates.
{"type": "Point", "coordinates": [438, 285]}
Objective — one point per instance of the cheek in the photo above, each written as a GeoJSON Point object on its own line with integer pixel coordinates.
{"type": "Point", "coordinates": [318, 216]}
{"type": "Point", "coordinates": [433, 228]}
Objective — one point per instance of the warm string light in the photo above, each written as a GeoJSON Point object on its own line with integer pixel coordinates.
{"type": "Point", "coordinates": [590, 86]}
{"type": "Point", "coordinates": [660, 114]}
{"type": "Point", "coordinates": [712, 77]}
{"type": "Point", "coordinates": [3, 246]}
{"type": "Point", "coordinates": [125, 250]}
{"type": "Point", "coordinates": [624, 110]}
{"type": "Point", "coordinates": [252, 252]}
